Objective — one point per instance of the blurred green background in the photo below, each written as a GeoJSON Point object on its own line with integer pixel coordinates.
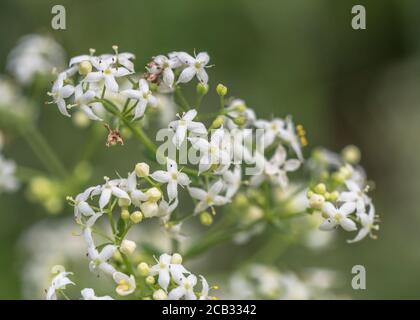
{"type": "Point", "coordinates": [283, 57]}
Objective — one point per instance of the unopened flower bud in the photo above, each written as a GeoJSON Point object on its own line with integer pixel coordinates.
{"type": "Point", "coordinates": [202, 89]}
{"type": "Point", "coordinates": [338, 177]}
{"type": "Point", "coordinates": [320, 188]}
{"type": "Point", "coordinates": [239, 121]}
{"type": "Point", "coordinates": [206, 218]}
{"type": "Point", "coordinates": [123, 202]}
{"type": "Point", "coordinates": [143, 269]}
{"type": "Point", "coordinates": [142, 170]}
{"type": "Point", "coordinates": [241, 200]}
{"type": "Point", "coordinates": [240, 108]}
{"type": "Point", "coordinates": [127, 246]}
{"type": "Point", "coordinates": [218, 122]}
{"type": "Point", "coordinates": [150, 280]}
{"type": "Point", "coordinates": [159, 295]}
{"type": "Point", "coordinates": [351, 154]}
{"type": "Point", "coordinates": [176, 258]}
{"type": "Point", "coordinates": [316, 201]}
{"type": "Point", "coordinates": [153, 194]}
{"type": "Point", "coordinates": [125, 214]}
{"type": "Point", "coordinates": [85, 67]}
{"type": "Point", "coordinates": [221, 90]}
{"type": "Point", "coordinates": [333, 196]}
{"type": "Point", "coordinates": [149, 209]}
{"type": "Point", "coordinates": [136, 217]}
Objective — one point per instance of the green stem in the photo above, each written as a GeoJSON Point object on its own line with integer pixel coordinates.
{"type": "Point", "coordinates": [43, 151]}
{"type": "Point", "coordinates": [180, 99]}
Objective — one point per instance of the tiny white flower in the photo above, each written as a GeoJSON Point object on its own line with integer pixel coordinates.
{"type": "Point", "coordinates": [172, 177]}
{"type": "Point", "coordinates": [59, 92]}
{"type": "Point", "coordinates": [164, 66]}
{"type": "Point", "coordinates": [144, 97]}
{"type": "Point", "coordinates": [367, 221]}
{"type": "Point", "coordinates": [130, 186]}
{"type": "Point", "coordinates": [233, 181]}
{"type": "Point", "coordinates": [59, 282]}
{"type": "Point", "coordinates": [185, 124]}
{"type": "Point", "coordinates": [107, 73]}
{"type": "Point", "coordinates": [271, 130]}
{"type": "Point", "coordinates": [100, 260]}
{"type": "Point", "coordinates": [185, 288]}
{"type": "Point", "coordinates": [81, 207]}
{"type": "Point", "coordinates": [8, 181]}
{"type": "Point", "coordinates": [89, 294]}
{"type": "Point", "coordinates": [288, 135]}
{"type": "Point", "coordinates": [194, 67]}
{"type": "Point", "coordinates": [356, 195]}
{"type": "Point", "coordinates": [214, 152]}
{"type": "Point", "coordinates": [338, 216]}
{"type": "Point", "coordinates": [275, 170]}
{"type": "Point", "coordinates": [208, 198]}
{"type": "Point", "coordinates": [83, 101]}
{"type": "Point", "coordinates": [111, 187]}
{"type": "Point", "coordinates": [125, 284]}
{"type": "Point", "coordinates": [124, 59]}
{"type": "Point", "coordinates": [165, 269]}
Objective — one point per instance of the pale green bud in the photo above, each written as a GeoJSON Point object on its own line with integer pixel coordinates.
{"type": "Point", "coordinates": [128, 247]}
{"type": "Point", "coordinates": [160, 295]}
{"type": "Point", "coordinates": [150, 280]}
{"type": "Point", "coordinates": [218, 122]}
{"type": "Point", "coordinates": [202, 89]}
{"type": "Point", "coordinates": [176, 258]}
{"type": "Point", "coordinates": [142, 170]}
{"type": "Point", "coordinates": [206, 218]}
{"type": "Point", "coordinates": [136, 217]}
{"type": "Point", "coordinates": [143, 269]}
{"type": "Point", "coordinates": [221, 90]}
{"type": "Point", "coordinates": [153, 194]}
{"type": "Point", "coordinates": [351, 154]}
{"type": "Point", "coordinates": [85, 67]}
{"type": "Point", "coordinates": [320, 188]}
{"type": "Point", "coordinates": [125, 214]}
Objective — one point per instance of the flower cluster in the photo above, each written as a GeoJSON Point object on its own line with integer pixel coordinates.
{"type": "Point", "coordinates": [342, 193]}
{"type": "Point", "coordinates": [258, 281]}
{"type": "Point", "coordinates": [34, 55]}
{"type": "Point", "coordinates": [8, 180]}
{"type": "Point", "coordinates": [235, 160]}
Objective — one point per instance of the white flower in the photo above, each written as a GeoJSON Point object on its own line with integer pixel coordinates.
{"type": "Point", "coordinates": [367, 221]}
{"type": "Point", "coordinates": [338, 216]}
{"type": "Point", "coordinates": [125, 284]}
{"type": "Point", "coordinates": [130, 186]}
{"type": "Point", "coordinates": [276, 169]}
{"type": "Point", "coordinates": [356, 195]}
{"type": "Point", "coordinates": [195, 67]}
{"type": "Point", "coordinates": [59, 92]}
{"type": "Point", "coordinates": [34, 54]}
{"type": "Point", "coordinates": [144, 97]}
{"type": "Point", "coordinates": [8, 181]}
{"type": "Point", "coordinates": [81, 207]}
{"type": "Point", "coordinates": [233, 181]}
{"type": "Point", "coordinates": [165, 269]}
{"type": "Point", "coordinates": [123, 59]}
{"type": "Point", "coordinates": [100, 260]}
{"type": "Point", "coordinates": [288, 135]}
{"type": "Point", "coordinates": [111, 187]}
{"type": "Point", "coordinates": [59, 282]}
{"type": "Point", "coordinates": [237, 108]}
{"type": "Point", "coordinates": [89, 294]}
{"type": "Point", "coordinates": [107, 73]}
{"type": "Point", "coordinates": [184, 124]}
{"type": "Point", "coordinates": [271, 130]}
{"type": "Point", "coordinates": [172, 177]}
{"type": "Point", "coordinates": [164, 65]}
{"type": "Point", "coordinates": [82, 100]}
{"type": "Point", "coordinates": [214, 152]}
{"type": "Point", "coordinates": [185, 288]}
{"type": "Point", "coordinates": [208, 198]}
